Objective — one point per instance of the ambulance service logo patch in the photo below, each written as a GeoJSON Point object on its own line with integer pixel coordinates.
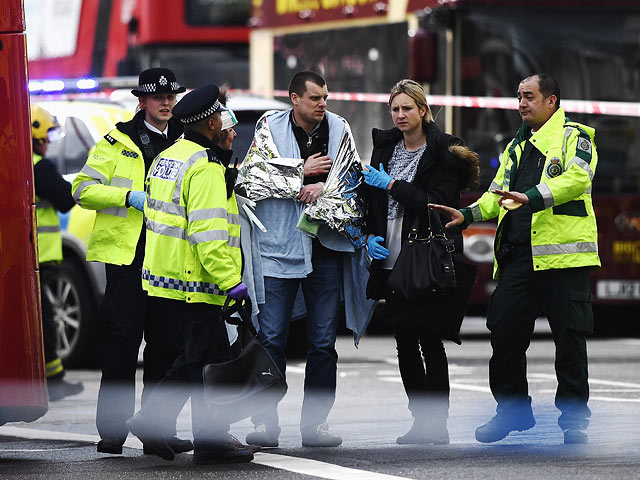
{"type": "Point", "coordinates": [554, 168]}
{"type": "Point", "coordinates": [167, 169]}
{"type": "Point", "coordinates": [584, 145]}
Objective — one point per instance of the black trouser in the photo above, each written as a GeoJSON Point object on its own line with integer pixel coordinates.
{"type": "Point", "coordinates": [520, 297]}
{"type": "Point", "coordinates": [205, 339]}
{"type": "Point", "coordinates": [425, 382]}
{"type": "Point", "coordinates": [48, 323]}
{"type": "Point", "coordinates": [125, 316]}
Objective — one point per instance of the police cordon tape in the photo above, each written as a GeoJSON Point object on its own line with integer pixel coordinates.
{"type": "Point", "coordinates": [626, 109]}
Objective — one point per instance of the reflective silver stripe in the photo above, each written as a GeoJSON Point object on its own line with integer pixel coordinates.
{"type": "Point", "coordinates": [122, 182]}
{"type": "Point", "coordinates": [565, 248]}
{"type": "Point", "coordinates": [476, 212]}
{"type": "Point", "coordinates": [166, 207]}
{"type": "Point", "coordinates": [207, 214]}
{"type": "Point", "coordinates": [588, 190]}
{"type": "Point", "coordinates": [48, 229]}
{"type": "Point", "coordinates": [507, 179]}
{"type": "Point", "coordinates": [81, 187]}
{"type": "Point", "coordinates": [233, 218]}
{"type": "Point", "coordinates": [183, 169]}
{"type": "Point", "coordinates": [166, 230]}
{"type": "Point", "coordinates": [208, 236]}
{"type": "Point", "coordinates": [583, 165]}
{"type": "Point", "coordinates": [43, 204]}
{"type": "Point", "coordinates": [547, 196]}
{"type": "Point", "coordinates": [95, 174]}
{"type": "Point", "coordinates": [494, 186]}
{"type": "Point", "coordinates": [116, 211]}
{"type": "Point", "coordinates": [567, 134]}
{"type": "Point", "coordinates": [182, 285]}
{"type": "Point", "coordinates": [233, 242]}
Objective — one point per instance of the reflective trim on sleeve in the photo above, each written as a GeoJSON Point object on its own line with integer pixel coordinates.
{"type": "Point", "coordinates": [181, 285]}
{"type": "Point", "coordinates": [583, 165]}
{"type": "Point", "coordinates": [567, 134]}
{"type": "Point", "coordinates": [476, 212]}
{"type": "Point", "coordinates": [115, 211]}
{"type": "Point", "coordinates": [48, 229]}
{"type": "Point", "coordinates": [122, 182]}
{"type": "Point", "coordinates": [207, 214]}
{"type": "Point", "coordinates": [547, 196]}
{"type": "Point", "coordinates": [565, 248]}
{"type": "Point", "coordinates": [208, 236]}
{"type": "Point", "coordinates": [177, 191]}
{"type": "Point", "coordinates": [233, 218]}
{"type": "Point", "coordinates": [166, 230]}
{"type": "Point", "coordinates": [54, 367]}
{"type": "Point", "coordinates": [166, 207]}
{"type": "Point", "coordinates": [95, 174]}
{"type": "Point", "coordinates": [494, 186]}
{"type": "Point", "coordinates": [81, 187]}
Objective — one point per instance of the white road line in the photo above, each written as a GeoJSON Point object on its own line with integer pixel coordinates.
{"type": "Point", "coordinates": [614, 399]}
{"type": "Point", "coordinates": [472, 388]}
{"type": "Point", "coordinates": [283, 462]}
{"type": "Point", "coordinates": [594, 381]}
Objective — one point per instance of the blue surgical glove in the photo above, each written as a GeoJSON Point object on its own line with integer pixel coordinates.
{"type": "Point", "coordinates": [376, 178]}
{"type": "Point", "coordinates": [136, 200]}
{"type": "Point", "coordinates": [376, 250]}
{"type": "Point", "coordinates": [239, 292]}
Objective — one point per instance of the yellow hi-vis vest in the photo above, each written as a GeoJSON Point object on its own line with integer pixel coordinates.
{"type": "Point", "coordinates": [193, 231]}
{"type": "Point", "coordinates": [48, 228]}
{"type": "Point", "coordinates": [564, 233]}
{"type": "Point", "coordinates": [115, 165]}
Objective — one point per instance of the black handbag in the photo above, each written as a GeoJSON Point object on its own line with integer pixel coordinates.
{"type": "Point", "coordinates": [425, 265]}
{"type": "Point", "coordinates": [249, 383]}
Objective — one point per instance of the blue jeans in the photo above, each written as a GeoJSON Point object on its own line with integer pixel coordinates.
{"type": "Point", "coordinates": [321, 290]}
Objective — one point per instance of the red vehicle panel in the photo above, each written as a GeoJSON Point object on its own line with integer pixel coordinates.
{"type": "Point", "coordinates": [23, 394]}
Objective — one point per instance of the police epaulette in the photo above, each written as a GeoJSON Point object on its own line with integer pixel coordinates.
{"type": "Point", "coordinates": [110, 139]}
{"type": "Point", "coordinates": [212, 156]}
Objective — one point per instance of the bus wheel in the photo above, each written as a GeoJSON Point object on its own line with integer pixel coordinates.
{"type": "Point", "coordinates": [75, 314]}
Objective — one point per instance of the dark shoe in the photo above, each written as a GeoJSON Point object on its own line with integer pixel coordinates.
{"type": "Point", "coordinates": [575, 435]}
{"type": "Point", "coordinates": [178, 445]}
{"type": "Point", "coordinates": [502, 425]}
{"type": "Point", "coordinates": [422, 433]}
{"type": "Point", "coordinates": [263, 436]}
{"type": "Point", "coordinates": [59, 389]}
{"type": "Point", "coordinates": [223, 454]}
{"type": "Point", "coordinates": [233, 441]}
{"type": "Point", "coordinates": [153, 440]}
{"type": "Point", "coordinates": [319, 436]}
{"type": "Point", "coordinates": [114, 447]}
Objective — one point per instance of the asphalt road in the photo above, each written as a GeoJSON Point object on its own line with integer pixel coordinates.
{"type": "Point", "coordinates": [370, 412]}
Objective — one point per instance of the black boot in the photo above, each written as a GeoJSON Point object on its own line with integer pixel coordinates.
{"type": "Point", "coordinates": [426, 431]}
{"type": "Point", "coordinates": [58, 388]}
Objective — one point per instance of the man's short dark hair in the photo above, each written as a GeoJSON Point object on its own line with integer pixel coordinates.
{"type": "Point", "coordinates": [548, 86]}
{"type": "Point", "coordinates": [299, 81]}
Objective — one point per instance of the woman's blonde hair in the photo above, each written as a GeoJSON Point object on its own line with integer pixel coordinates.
{"type": "Point", "coordinates": [414, 90]}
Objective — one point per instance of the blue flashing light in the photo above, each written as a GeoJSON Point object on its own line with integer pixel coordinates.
{"type": "Point", "coordinates": [52, 85]}
{"type": "Point", "coordinates": [35, 86]}
{"type": "Point", "coordinates": [87, 84]}
{"type": "Point", "coordinates": [495, 163]}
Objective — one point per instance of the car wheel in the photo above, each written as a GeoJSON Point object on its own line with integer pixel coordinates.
{"type": "Point", "coordinates": [75, 315]}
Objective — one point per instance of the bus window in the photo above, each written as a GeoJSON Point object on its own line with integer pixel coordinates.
{"type": "Point", "coordinates": [217, 12]}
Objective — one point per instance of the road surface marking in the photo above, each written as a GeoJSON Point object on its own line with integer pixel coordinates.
{"type": "Point", "coordinates": [303, 466]}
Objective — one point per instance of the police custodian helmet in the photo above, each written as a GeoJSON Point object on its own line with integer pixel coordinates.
{"type": "Point", "coordinates": [157, 80]}
{"type": "Point", "coordinates": [198, 104]}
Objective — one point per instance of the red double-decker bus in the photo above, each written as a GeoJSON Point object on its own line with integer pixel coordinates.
{"type": "Point", "coordinates": [202, 41]}
{"type": "Point", "coordinates": [23, 393]}
{"type": "Point", "coordinates": [470, 55]}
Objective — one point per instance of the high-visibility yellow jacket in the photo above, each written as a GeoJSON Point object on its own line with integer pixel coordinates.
{"type": "Point", "coordinates": [563, 225]}
{"type": "Point", "coordinates": [48, 228]}
{"type": "Point", "coordinates": [193, 230]}
{"type": "Point", "coordinates": [115, 166]}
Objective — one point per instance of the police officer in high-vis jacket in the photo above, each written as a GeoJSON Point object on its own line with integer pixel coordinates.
{"type": "Point", "coordinates": [193, 262]}
{"type": "Point", "coordinates": [112, 183]}
{"type": "Point", "coordinates": [52, 193]}
{"type": "Point", "coordinates": [545, 247]}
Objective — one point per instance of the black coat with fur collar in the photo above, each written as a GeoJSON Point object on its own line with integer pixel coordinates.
{"type": "Point", "coordinates": [445, 169]}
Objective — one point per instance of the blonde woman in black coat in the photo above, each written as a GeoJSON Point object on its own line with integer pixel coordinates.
{"type": "Point", "coordinates": [410, 163]}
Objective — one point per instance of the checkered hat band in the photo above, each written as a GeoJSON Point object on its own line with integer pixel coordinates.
{"type": "Point", "coordinates": [200, 116]}
{"type": "Point", "coordinates": [153, 87]}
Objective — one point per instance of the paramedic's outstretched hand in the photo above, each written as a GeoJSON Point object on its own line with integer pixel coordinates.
{"type": "Point", "coordinates": [376, 250]}
{"type": "Point", "coordinates": [239, 292]}
{"type": "Point", "coordinates": [136, 200]}
{"type": "Point", "coordinates": [456, 216]}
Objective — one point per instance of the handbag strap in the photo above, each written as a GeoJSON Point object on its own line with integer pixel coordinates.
{"type": "Point", "coordinates": [438, 222]}
{"type": "Point", "coordinates": [243, 308]}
